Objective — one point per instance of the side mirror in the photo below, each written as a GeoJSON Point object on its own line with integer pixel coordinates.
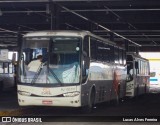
{"type": "Point", "coordinates": [129, 78]}
{"type": "Point", "coordinates": [85, 65]}
{"type": "Point", "coordinates": [87, 60]}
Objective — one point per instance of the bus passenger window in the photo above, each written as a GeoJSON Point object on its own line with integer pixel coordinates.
{"type": "Point", "coordinates": [93, 49]}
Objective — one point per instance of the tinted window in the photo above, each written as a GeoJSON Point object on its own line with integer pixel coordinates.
{"type": "Point", "coordinates": [93, 49]}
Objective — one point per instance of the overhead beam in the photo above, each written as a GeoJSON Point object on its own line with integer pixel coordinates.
{"type": "Point", "coordinates": [20, 1]}
{"type": "Point", "coordinates": [129, 31]}
{"type": "Point", "coordinates": [110, 19]}
{"type": "Point", "coordinates": [116, 10]}
{"type": "Point", "coordinates": [22, 19]}
{"type": "Point", "coordinates": [99, 25]}
{"type": "Point", "coordinates": [138, 39]}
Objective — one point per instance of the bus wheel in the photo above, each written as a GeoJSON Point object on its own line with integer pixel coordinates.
{"type": "Point", "coordinates": [91, 102]}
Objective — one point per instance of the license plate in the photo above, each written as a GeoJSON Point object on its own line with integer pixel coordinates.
{"type": "Point", "coordinates": [47, 102]}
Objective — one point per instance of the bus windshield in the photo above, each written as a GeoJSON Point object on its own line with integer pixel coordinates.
{"type": "Point", "coordinates": [130, 67]}
{"type": "Point", "coordinates": [50, 60]}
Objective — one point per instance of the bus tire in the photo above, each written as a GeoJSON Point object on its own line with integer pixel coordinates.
{"type": "Point", "coordinates": [91, 102]}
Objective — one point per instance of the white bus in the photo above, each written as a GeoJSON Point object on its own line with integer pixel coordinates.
{"type": "Point", "coordinates": [78, 69]}
{"type": "Point", "coordinates": [138, 71]}
{"type": "Point", "coordinates": [154, 81]}
{"type": "Point", "coordinates": [154, 77]}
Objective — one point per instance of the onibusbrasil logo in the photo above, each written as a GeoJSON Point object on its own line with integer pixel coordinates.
{"type": "Point", "coordinates": [21, 119]}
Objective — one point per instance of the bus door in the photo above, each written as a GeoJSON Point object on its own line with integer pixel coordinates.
{"type": "Point", "coordinates": [130, 79]}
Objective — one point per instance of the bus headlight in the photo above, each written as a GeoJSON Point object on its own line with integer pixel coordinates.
{"type": "Point", "coordinates": [24, 93]}
{"type": "Point", "coordinates": [71, 94]}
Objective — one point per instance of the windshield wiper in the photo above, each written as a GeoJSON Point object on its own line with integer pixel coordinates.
{"type": "Point", "coordinates": [55, 76]}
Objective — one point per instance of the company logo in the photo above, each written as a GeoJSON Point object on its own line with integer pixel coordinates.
{"type": "Point", "coordinates": [6, 119]}
{"type": "Point", "coordinates": [46, 91]}
{"type": "Point", "coordinates": [20, 119]}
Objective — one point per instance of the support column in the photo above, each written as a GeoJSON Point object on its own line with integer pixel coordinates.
{"type": "Point", "coordinates": [19, 43]}
{"type": "Point", "coordinates": [55, 16]}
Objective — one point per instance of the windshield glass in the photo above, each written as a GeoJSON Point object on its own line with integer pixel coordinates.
{"type": "Point", "coordinates": [130, 68]}
{"type": "Point", "coordinates": [129, 71]}
{"type": "Point", "coordinates": [53, 60]}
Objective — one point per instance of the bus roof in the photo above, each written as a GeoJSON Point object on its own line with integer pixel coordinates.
{"type": "Point", "coordinates": [57, 32]}
{"type": "Point", "coordinates": [66, 33]}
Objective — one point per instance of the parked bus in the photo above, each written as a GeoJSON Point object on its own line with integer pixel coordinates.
{"type": "Point", "coordinates": [78, 69]}
{"type": "Point", "coordinates": [7, 75]}
{"type": "Point", "coordinates": [154, 81]}
{"type": "Point", "coordinates": [138, 75]}
{"type": "Point", "coordinates": [154, 76]}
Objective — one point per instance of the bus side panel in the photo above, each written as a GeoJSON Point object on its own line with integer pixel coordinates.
{"type": "Point", "coordinates": [119, 84]}
{"type": "Point", "coordinates": [143, 84]}
{"type": "Point", "coordinates": [123, 82]}
{"type": "Point", "coordinates": [136, 86]}
{"type": "Point", "coordinates": [101, 76]}
{"type": "Point", "coordinates": [103, 91]}
{"type": "Point", "coordinates": [141, 87]}
{"type": "Point", "coordinates": [122, 89]}
{"type": "Point", "coordinates": [147, 84]}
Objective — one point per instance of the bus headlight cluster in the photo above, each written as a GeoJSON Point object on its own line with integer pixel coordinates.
{"type": "Point", "coordinates": [25, 93]}
{"type": "Point", "coordinates": [71, 94]}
